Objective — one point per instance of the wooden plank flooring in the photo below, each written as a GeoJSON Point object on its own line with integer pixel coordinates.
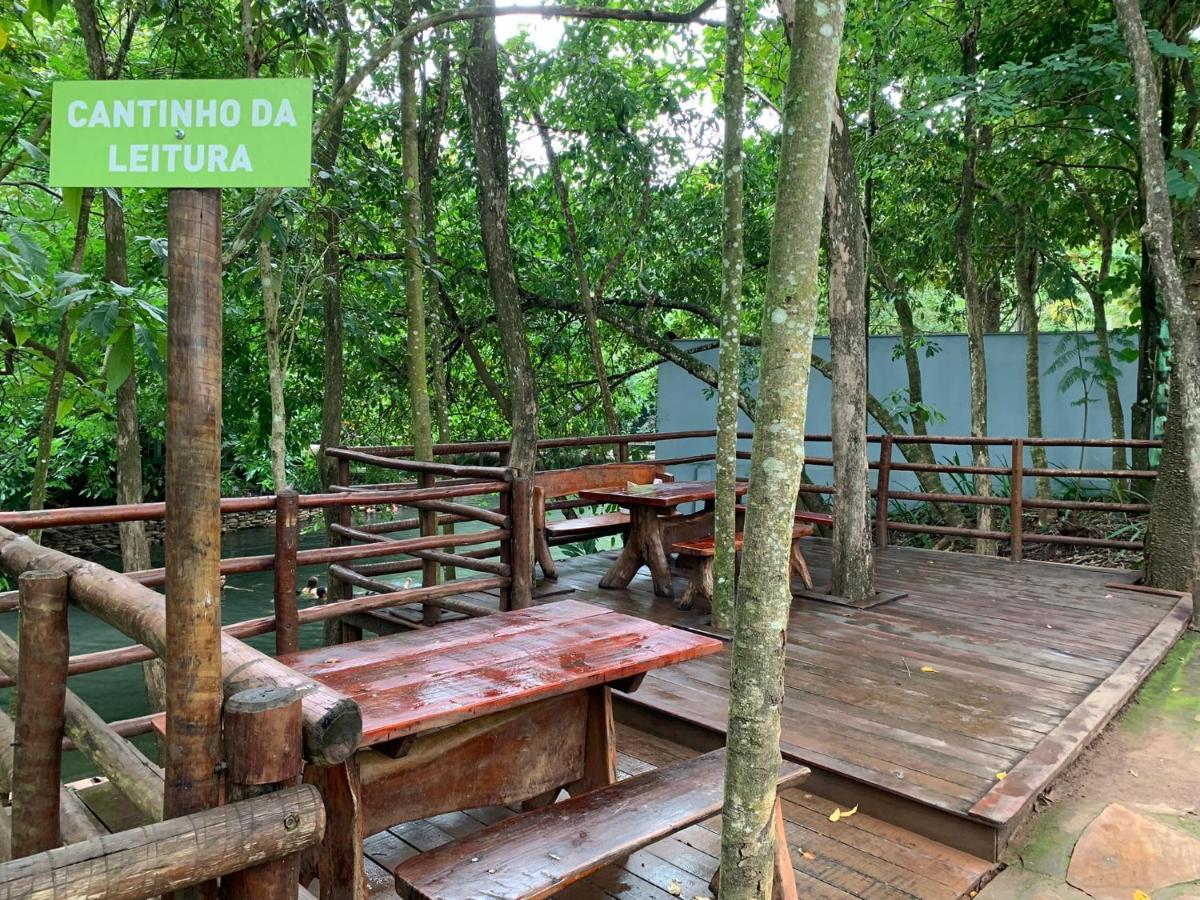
{"type": "Point", "coordinates": [936, 697]}
{"type": "Point", "coordinates": [855, 857]}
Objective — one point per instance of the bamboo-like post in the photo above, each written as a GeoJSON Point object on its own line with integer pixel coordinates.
{"type": "Point", "coordinates": [429, 567]}
{"type": "Point", "coordinates": [193, 497]}
{"type": "Point", "coordinates": [41, 696]}
{"type": "Point", "coordinates": [1017, 500]}
{"type": "Point", "coordinates": [521, 529]}
{"type": "Point", "coordinates": [287, 544]}
{"type": "Point", "coordinates": [883, 485]}
{"type": "Point", "coordinates": [263, 745]}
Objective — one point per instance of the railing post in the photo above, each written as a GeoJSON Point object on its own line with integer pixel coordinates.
{"type": "Point", "coordinates": [506, 545]}
{"type": "Point", "coordinates": [429, 568]}
{"type": "Point", "coordinates": [263, 746]}
{"type": "Point", "coordinates": [338, 590]}
{"type": "Point", "coordinates": [41, 699]}
{"type": "Point", "coordinates": [287, 543]}
{"type": "Point", "coordinates": [522, 542]}
{"type": "Point", "coordinates": [1016, 524]}
{"type": "Point", "coordinates": [882, 487]}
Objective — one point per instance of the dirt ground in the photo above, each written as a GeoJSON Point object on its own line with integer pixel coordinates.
{"type": "Point", "coordinates": [1148, 761]}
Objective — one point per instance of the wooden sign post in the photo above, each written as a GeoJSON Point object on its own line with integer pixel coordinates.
{"type": "Point", "coordinates": [194, 137]}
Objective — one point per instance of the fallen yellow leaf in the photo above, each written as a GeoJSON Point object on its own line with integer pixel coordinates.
{"type": "Point", "coordinates": [1000, 776]}
{"type": "Point", "coordinates": [1176, 690]}
{"type": "Point", "coordinates": [675, 889]}
{"type": "Point", "coordinates": [1140, 895]}
{"type": "Point", "coordinates": [808, 854]}
{"type": "Point", "coordinates": [928, 669]}
{"type": "Point", "coordinates": [839, 814]}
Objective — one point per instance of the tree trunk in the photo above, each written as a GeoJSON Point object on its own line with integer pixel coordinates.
{"type": "Point", "coordinates": [430, 135]}
{"type": "Point", "coordinates": [586, 300]}
{"type": "Point", "coordinates": [976, 301]}
{"type": "Point", "coordinates": [135, 548]}
{"type": "Point", "coordinates": [491, 157]}
{"type": "Point", "coordinates": [276, 372]}
{"type": "Point", "coordinates": [846, 251]}
{"type": "Point", "coordinates": [764, 595]}
{"type": "Point", "coordinates": [1158, 234]}
{"type": "Point", "coordinates": [1027, 279]}
{"type": "Point", "coordinates": [41, 465]}
{"type": "Point", "coordinates": [414, 274]}
{"type": "Point", "coordinates": [730, 354]}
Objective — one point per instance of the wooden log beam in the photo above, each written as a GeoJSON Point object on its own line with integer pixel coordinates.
{"type": "Point", "coordinates": [41, 694]}
{"type": "Point", "coordinates": [263, 745]}
{"type": "Point", "coordinates": [135, 776]}
{"type": "Point", "coordinates": [287, 544]}
{"type": "Point", "coordinates": [76, 822]}
{"type": "Point", "coordinates": [332, 721]}
{"type": "Point", "coordinates": [386, 594]}
{"type": "Point", "coordinates": [192, 750]}
{"type": "Point", "coordinates": [172, 855]}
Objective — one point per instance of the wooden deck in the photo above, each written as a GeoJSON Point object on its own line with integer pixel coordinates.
{"type": "Point", "coordinates": [947, 711]}
{"type": "Point", "coordinates": [856, 857]}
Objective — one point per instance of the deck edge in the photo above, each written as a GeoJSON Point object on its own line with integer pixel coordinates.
{"type": "Point", "coordinates": [1011, 797]}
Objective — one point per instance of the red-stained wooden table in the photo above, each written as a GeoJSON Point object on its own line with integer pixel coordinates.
{"type": "Point", "coordinates": [491, 711]}
{"type": "Point", "coordinates": [654, 526]}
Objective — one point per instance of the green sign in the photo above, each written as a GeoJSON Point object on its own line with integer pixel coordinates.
{"type": "Point", "coordinates": [235, 133]}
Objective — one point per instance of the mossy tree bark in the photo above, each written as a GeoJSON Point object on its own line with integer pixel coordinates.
{"type": "Point", "coordinates": [1026, 271]}
{"type": "Point", "coordinates": [729, 358]}
{"type": "Point", "coordinates": [776, 466]}
{"type": "Point", "coordinates": [977, 301]}
{"type": "Point", "coordinates": [491, 157]}
{"type": "Point", "coordinates": [1158, 233]}
{"type": "Point", "coordinates": [846, 252]}
{"type": "Point", "coordinates": [414, 272]}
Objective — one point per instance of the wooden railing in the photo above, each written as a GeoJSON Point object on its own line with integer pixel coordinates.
{"type": "Point", "coordinates": [887, 496]}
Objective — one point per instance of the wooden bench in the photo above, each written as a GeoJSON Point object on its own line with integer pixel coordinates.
{"type": "Point", "coordinates": [560, 484]}
{"type": "Point", "coordinates": [538, 853]}
{"type": "Point", "coordinates": [700, 587]}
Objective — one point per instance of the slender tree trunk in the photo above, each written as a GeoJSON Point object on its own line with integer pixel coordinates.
{"type": "Point", "coordinates": [491, 158]}
{"type": "Point", "coordinates": [764, 595]}
{"type": "Point", "coordinates": [730, 353]}
{"type": "Point", "coordinates": [135, 548]}
{"type": "Point", "coordinates": [846, 251]}
{"type": "Point", "coordinates": [430, 134]}
{"type": "Point", "coordinates": [331, 301]}
{"type": "Point", "coordinates": [414, 274]}
{"type": "Point", "coordinates": [1027, 279]}
{"type": "Point", "coordinates": [276, 372]}
{"type": "Point", "coordinates": [62, 351]}
{"type": "Point", "coordinates": [586, 300]}
{"type": "Point", "coordinates": [1158, 234]}
{"type": "Point", "coordinates": [976, 301]}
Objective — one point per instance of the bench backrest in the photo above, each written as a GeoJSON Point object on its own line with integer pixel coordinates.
{"type": "Point", "coordinates": [566, 482]}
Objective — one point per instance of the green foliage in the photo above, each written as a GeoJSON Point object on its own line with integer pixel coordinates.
{"type": "Point", "coordinates": [632, 108]}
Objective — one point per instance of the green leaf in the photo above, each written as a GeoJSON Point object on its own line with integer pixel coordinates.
{"type": "Point", "coordinates": [118, 360]}
{"type": "Point", "coordinates": [31, 253]}
{"type": "Point", "coordinates": [72, 198]}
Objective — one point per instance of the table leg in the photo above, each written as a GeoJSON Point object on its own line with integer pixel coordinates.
{"type": "Point", "coordinates": [621, 572]}
{"type": "Point", "coordinates": [340, 863]}
{"type": "Point", "coordinates": [655, 553]}
{"type": "Point", "coordinates": [600, 743]}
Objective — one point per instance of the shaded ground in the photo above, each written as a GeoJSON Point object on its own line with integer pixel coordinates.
{"type": "Point", "coordinates": [1148, 761]}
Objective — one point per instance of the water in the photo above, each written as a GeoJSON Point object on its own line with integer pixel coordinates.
{"type": "Point", "coordinates": [120, 693]}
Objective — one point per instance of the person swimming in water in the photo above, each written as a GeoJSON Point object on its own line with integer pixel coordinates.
{"type": "Point", "coordinates": [311, 590]}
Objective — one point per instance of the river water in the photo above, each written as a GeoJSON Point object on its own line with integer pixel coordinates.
{"type": "Point", "coordinates": [120, 693]}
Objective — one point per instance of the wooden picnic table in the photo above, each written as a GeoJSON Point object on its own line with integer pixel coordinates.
{"type": "Point", "coordinates": [654, 526]}
{"type": "Point", "coordinates": [497, 710]}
